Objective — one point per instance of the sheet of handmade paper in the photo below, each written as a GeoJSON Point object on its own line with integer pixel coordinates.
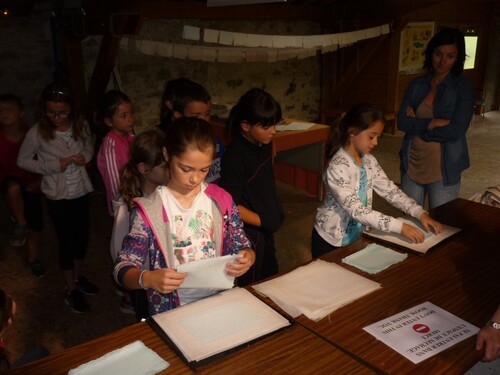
{"type": "Point", "coordinates": [218, 323]}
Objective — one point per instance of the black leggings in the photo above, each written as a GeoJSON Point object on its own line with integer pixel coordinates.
{"type": "Point", "coordinates": [71, 223]}
{"type": "Point", "coordinates": [319, 246]}
{"type": "Point", "coordinates": [266, 263]}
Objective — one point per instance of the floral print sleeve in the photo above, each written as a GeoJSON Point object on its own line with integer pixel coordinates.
{"type": "Point", "coordinates": [136, 244]}
{"type": "Point", "coordinates": [235, 238]}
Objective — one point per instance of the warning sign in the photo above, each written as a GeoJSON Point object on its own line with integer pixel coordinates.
{"type": "Point", "coordinates": [422, 331]}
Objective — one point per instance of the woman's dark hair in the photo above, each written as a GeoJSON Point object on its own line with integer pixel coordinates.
{"type": "Point", "coordinates": [146, 148]}
{"type": "Point", "coordinates": [189, 133]}
{"type": "Point", "coordinates": [358, 118]}
{"type": "Point", "coordinates": [256, 106]}
{"type": "Point", "coordinates": [59, 92]}
{"type": "Point", "coordinates": [443, 37]}
{"type": "Point", "coordinates": [177, 95]}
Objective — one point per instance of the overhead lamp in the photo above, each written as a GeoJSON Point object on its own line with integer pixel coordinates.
{"type": "Point", "coordinates": [222, 3]}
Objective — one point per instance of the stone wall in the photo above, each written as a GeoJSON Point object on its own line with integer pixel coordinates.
{"type": "Point", "coordinates": [294, 83]}
{"type": "Point", "coordinates": [26, 59]}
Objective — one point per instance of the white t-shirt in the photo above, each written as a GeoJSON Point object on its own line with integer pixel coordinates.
{"type": "Point", "coordinates": [72, 174]}
{"type": "Point", "coordinates": [192, 235]}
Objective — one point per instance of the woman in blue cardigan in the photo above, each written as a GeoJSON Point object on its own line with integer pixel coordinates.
{"type": "Point", "coordinates": [435, 115]}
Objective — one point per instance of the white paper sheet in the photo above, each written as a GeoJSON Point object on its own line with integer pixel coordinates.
{"type": "Point", "coordinates": [218, 323]}
{"type": "Point", "coordinates": [316, 289]}
{"type": "Point", "coordinates": [133, 359]}
{"type": "Point", "coordinates": [208, 273]}
{"type": "Point", "coordinates": [421, 331]}
{"type": "Point", "coordinates": [430, 238]}
{"type": "Point", "coordinates": [211, 36]}
{"type": "Point", "coordinates": [294, 126]}
{"type": "Point", "coordinates": [374, 258]}
{"type": "Point", "coordinates": [191, 32]}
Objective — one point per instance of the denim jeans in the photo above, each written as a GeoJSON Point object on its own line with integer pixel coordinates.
{"type": "Point", "coordinates": [436, 192]}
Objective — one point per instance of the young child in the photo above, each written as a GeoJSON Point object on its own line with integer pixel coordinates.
{"type": "Point", "coordinates": [186, 220]}
{"type": "Point", "coordinates": [351, 176]}
{"type": "Point", "coordinates": [183, 97]}
{"type": "Point", "coordinates": [144, 172]}
{"type": "Point", "coordinates": [21, 188]}
{"type": "Point", "coordinates": [248, 175]}
{"type": "Point", "coordinates": [58, 147]}
{"type": "Point", "coordinates": [7, 312]}
{"type": "Point", "coordinates": [115, 112]}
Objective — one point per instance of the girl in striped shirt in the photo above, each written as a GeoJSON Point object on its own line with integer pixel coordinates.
{"type": "Point", "coordinates": [114, 112]}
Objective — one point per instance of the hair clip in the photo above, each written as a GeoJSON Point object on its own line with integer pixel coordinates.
{"type": "Point", "coordinates": [57, 92]}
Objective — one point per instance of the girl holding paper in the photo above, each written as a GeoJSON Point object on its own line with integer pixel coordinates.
{"type": "Point", "coordinates": [187, 220]}
{"type": "Point", "coordinates": [351, 176]}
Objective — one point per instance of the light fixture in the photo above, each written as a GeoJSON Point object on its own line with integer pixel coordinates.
{"type": "Point", "coordinates": [221, 3]}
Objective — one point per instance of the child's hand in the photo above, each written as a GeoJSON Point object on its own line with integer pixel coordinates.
{"type": "Point", "coordinates": [410, 112]}
{"type": "Point", "coordinates": [64, 162]}
{"type": "Point", "coordinates": [414, 234]}
{"type": "Point", "coordinates": [78, 159]}
{"type": "Point", "coordinates": [164, 280]}
{"type": "Point", "coordinates": [242, 264]}
{"type": "Point", "coordinates": [430, 224]}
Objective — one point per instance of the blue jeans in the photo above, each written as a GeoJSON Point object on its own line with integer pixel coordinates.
{"type": "Point", "coordinates": [436, 192]}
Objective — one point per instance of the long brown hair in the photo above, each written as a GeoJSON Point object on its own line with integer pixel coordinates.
{"type": "Point", "coordinates": [59, 92]}
{"type": "Point", "coordinates": [189, 133]}
{"type": "Point", "coordinates": [358, 118]}
{"type": "Point", "coordinates": [146, 148]}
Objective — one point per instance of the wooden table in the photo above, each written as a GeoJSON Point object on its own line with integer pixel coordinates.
{"type": "Point", "coordinates": [294, 350]}
{"type": "Point", "coordinates": [299, 148]}
{"type": "Point", "coordinates": [462, 276]}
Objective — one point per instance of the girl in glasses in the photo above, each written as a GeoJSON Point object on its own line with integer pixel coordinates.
{"type": "Point", "coordinates": [58, 147]}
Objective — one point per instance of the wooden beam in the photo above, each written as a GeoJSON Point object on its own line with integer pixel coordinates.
{"type": "Point", "coordinates": [366, 53]}
{"type": "Point", "coordinates": [198, 10]}
{"type": "Point", "coordinates": [106, 59]}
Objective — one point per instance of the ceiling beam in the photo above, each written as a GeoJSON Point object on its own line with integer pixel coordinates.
{"type": "Point", "coordinates": [199, 10]}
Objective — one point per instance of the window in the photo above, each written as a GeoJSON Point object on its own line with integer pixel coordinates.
{"type": "Point", "coordinates": [470, 51]}
{"type": "Point", "coordinates": [471, 35]}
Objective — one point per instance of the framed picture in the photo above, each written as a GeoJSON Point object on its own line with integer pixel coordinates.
{"type": "Point", "coordinates": [414, 39]}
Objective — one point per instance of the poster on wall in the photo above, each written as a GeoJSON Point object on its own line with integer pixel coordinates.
{"type": "Point", "coordinates": [414, 39]}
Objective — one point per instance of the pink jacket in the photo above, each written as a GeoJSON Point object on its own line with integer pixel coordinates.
{"type": "Point", "coordinates": [112, 156]}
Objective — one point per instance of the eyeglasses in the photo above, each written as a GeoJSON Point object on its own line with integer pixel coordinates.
{"type": "Point", "coordinates": [62, 115]}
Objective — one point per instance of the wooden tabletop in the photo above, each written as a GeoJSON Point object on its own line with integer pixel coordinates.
{"type": "Point", "coordinates": [461, 276]}
{"type": "Point", "coordinates": [292, 350]}
{"type": "Point", "coordinates": [283, 140]}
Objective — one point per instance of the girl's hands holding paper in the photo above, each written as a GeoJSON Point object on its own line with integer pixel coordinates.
{"type": "Point", "coordinates": [164, 280]}
{"type": "Point", "coordinates": [241, 264]}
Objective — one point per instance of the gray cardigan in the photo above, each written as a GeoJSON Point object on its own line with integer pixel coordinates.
{"type": "Point", "coordinates": [42, 156]}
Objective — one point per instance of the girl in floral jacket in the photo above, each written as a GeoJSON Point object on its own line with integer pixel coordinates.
{"type": "Point", "coordinates": [187, 220]}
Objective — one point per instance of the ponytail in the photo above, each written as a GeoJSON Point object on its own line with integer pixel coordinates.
{"type": "Point", "coordinates": [147, 148]}
{"type": "Point", "coordinates": [131, 184]}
